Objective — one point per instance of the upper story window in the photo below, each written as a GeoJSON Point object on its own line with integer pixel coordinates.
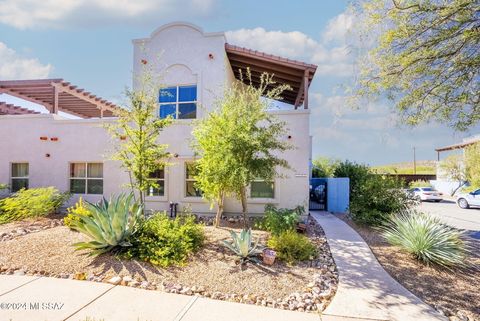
{"type": "Point", "coordinates": [19, 176]}
{"type": "Point", "coordinates": [180, 102]}
{"type": "Point", "coordinates": [86, 178]}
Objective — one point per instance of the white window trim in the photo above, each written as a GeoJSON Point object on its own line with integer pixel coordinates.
{"type": "Point", "coordinates": [164, 197]}
{"type": "Point", "coordinates": [177, 102]}
{"type": "Point", "coordinates": [19, 177]}
{"type": "Point", "coordinates": [86, 178]}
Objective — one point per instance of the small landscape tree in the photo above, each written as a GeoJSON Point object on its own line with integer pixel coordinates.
{"type": "Point", "coordinates": [324, 166]}
{"type": "Point", "coordinates": [472, 164]}
{"type": "Point", "coordinates": [240, 142]}
{"type": "Point", "coordinates": [136, 133]}
{"type": "Point", "coordinates": [453, 167]}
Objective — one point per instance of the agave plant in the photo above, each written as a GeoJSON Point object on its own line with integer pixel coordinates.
{"type": "Point", "coordinates": [243, 246]}
{"type": "Point", "coordinates": [427, 239]}
{"type": "Point", "coordinates": [110, 224]}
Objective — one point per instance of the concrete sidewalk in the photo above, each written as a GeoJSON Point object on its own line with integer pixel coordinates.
{"type": "Point", "coordinates": [365, 289]}
{"type": "Point", "coordinates": [26, 298]}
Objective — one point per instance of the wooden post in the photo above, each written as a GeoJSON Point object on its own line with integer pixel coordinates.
{"type": "Point", "coordinates": [55, 100]}
{"type": "Point", "coordinates": [305, 89]}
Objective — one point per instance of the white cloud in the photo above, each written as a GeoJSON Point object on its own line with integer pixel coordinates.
{"type": "Point", "coordinates": [332, 59]}
{"type": "Point", "coordinates": [339, 28]}
{"type": "Point", "coordinates": [12, 65]}
{"type": "Point", "coordinates": [25, 14]}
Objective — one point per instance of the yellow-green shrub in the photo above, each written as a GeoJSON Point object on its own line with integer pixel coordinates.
{"type": "Point", "coordinates": [32, 202]}
{"type": "Point", "coordinates": [292, 247]}
{"type": "Point", "coordinates": [74, 213]}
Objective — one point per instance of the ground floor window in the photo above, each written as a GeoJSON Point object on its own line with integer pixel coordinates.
{"type": "Point", "coordinates": [158, 177]}
{"type": "Point", "coordinates": [190, 181]}
{"type": "Point", "coordinates": [19, 178]}
{"type": "Point", "coordinates": [86, 178]}
{"type": "Point", "coordinates": [262, 189]}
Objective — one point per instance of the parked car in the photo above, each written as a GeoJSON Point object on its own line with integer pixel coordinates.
{"type": "Point", "coordinates": [319, 193]}
{"type": "Point", "coordinates": [465, 200]}
{"type": "Point", "coordinates": [426, 194]}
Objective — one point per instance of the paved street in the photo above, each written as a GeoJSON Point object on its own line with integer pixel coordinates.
{"type": "Point", "coordinates": [453, 215]}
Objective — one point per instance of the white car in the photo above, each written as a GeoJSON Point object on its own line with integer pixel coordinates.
{"type": "Point", "coordinates": [465, 200]}
{"type": "Point", "coordinates": [426, 194]}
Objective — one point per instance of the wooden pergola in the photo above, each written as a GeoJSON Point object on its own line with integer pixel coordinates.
{"type": "Point", "coordinates": [58, 95]}
{"type": "Point", "coordinates": [10, 109]}
{"type": "Point", "coordinates": [461, 145]}
{"type": "Point", "coordinates": [298, 75]}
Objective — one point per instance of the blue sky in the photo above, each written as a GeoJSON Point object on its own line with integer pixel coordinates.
{"type": "Point", "coordinates": [88, 43]}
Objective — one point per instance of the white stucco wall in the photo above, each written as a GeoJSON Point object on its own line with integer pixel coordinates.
{"type": "Point", "coordinates": [185, 58]}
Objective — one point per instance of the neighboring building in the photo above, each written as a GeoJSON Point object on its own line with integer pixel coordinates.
{"type": "Point", "coordinates": [73, 154]}
{"type": "Point", "coordinates": [443, 183]}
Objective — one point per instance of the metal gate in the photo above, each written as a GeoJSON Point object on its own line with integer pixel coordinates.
{"type": "Point", "coordinates": [318, 194]}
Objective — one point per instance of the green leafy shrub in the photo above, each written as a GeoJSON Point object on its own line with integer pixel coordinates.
{"type": "Point", "coordinates": [243, 246]}
{"type": "Point", "coordinates": [3, 186]}
{"type": "Point", "coordinates": [75, 212]}
{"type": "Point", "coordinates": [165, 242]}
{"type": "Point", "coordinates": [377, 199]}
{"type": "Point", "coordinates": [420, 183]}
{"type": "Point", "coordinates": [32, 202]}
{"type": "Point", "coordinates": [280, 220]}
{"type": "Point", "coordinates": [373, 197]}
{"type": "Point", "coordinates": [429, 240]}
{"type": "Point", "coordinates": [110, 224]}
{"type": "Point", "coordinates": [292, 247]}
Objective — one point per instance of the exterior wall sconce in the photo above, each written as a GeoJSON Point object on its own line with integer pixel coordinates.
{"type": "Point", "coordinates": [54, 139]}
{"type": "Point", "coordinates": [43, 138]}
{"type": "Point", "coordinates": [210, 56]}
{"type": "Point", "coordinates": [47, 155]}
{"type": "Point", "coordinates": [289, 136]}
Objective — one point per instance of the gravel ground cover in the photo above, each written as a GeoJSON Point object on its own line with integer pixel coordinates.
{"type": "Point", "coordinates": [456, 295]}
{"type": "Point", "coordinates": [212, 272]}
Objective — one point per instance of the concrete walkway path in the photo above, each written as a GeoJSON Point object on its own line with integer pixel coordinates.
{"type": "Point", "coordinates": [27, 298]}
{"type": "Point", "coordinates": [365, 289]}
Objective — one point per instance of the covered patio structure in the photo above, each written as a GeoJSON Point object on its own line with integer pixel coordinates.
{"type": "Point", "coordinates": [57, 95]}
{"type": "Point", "coordinates": [298, 75]}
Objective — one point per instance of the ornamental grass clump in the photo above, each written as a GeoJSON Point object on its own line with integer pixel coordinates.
{"type": "Point", "coordinates": [33, 202]}
{"type": "Point", "coordinates": [427, 239]}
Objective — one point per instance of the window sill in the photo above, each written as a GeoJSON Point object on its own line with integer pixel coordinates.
{"type": "Point", "coordinates": [262, 201]}
{"type": "Point", "coordinates": [156, 199]}
{"type": "Point", "coordinates": [193, 199]}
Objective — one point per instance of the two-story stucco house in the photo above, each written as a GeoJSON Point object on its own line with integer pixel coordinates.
{"type": "Point", "coordinates": [49, 149]}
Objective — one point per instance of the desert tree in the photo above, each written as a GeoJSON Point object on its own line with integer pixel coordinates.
{"type": "Point", "coordinates": [240, 141]}
{"type": "Point", "coordinates": [137, 130]}
{"type": "Point", "coordinates": [472, 164]}
{"type": "Point", "coordinates": [453, 168]}
{"type": "Point", "coordinates": [425, 58]}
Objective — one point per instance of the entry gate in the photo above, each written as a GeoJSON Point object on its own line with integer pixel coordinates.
{"type": "Point", "coordinates": [318, 194]}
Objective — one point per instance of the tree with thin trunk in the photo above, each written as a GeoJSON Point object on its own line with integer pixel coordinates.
{"type": "Point", "coordinates": [240, 141]}
{"type": "Point", "coordinates": [136, 133]}
{"type": "Point", "coordinates": [426, 59]}
{"type": "Point", "coordinates": [453, 168]}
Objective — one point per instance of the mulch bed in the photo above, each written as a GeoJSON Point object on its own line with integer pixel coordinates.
{"type": "Point", "coordinates": [211, 272]}
{"type": "Point", "coordinates": [455, 294]}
